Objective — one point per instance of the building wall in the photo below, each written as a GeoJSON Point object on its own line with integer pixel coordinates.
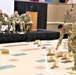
{"type": "Point", "coordinates": [62, 9]}
{"type": "Point", "coordinates": [56, 13]}
{"type": "Point", "coordinates": [52, 12]}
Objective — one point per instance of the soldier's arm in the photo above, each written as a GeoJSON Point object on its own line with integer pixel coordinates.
{"type": "Point", "coordinates": [73, 31]}
{"type": "Point", "coordinates": [30, 18]}
{"type": "Point", "coordinates": [6, 16]}
{"type": "Point", "coordinates": [18, 18]}
{"type": "Point", "coordinates": [21, 17]}
{"type": "Point", "coordinates": [64, 18]}
{"type": "Point", "coordinates": [60, 40]}
{"type": "Point", "coordinates": [11, 17]}
{"type": "Point", "coordinates": [70, 17]}
{"type": "Point", "coordinates": [2, 17]}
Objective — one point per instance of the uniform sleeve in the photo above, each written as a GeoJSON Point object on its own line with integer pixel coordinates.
{"type": "Point", "coordinates": [73, 31]}
{"type": "Point", "coordinates": [22, 17]}
{"type": "Point", "coordinates": [64, 18]}
{"type": "Point", "coordinates": [70, 26]}
{"type": "Point", "coordinates": [11, 17]}
{"type": "Point", "coordinates": [60, 38]}
{"type": "Point", "coordinates": [18, 17]}
{"type": "Point", "coordinates": [6, 16]}
{"type": "Point", "coordinates": [30, 18]}
{"type": "Point", "coordinates": [2, 17]}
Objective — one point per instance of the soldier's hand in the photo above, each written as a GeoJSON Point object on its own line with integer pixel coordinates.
{"type": "Point", "coordinates": [17, 22]}
{"type": "Point", "coordinates": [6, 20]}
{"type": "Point", "coordinates": [3, 16]}
{"type": "Point", "coordinates": [56, 48]}
{"type": "Point", "coordinates": [69, 32]}
{"type": "Point", "coordinates": [70, 42]}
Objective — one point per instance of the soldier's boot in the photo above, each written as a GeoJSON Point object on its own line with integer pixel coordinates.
{"type": "Point", "coordinates": [21, 30]}
{"type": "Point", "coordinates": [8, 30]}
{"type": "Point", "coordinates": [31, 27]}
{"type": "Point", "coordinates": [14, 31]}
{"type": "Point", "coordinates": [25, 31]}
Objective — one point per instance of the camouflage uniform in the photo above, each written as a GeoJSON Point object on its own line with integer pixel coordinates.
{"type": "Point", "coordinates": [67, 18]}
{"type": "Point", "coordinates": [14, 19]}
{"type": "Point", "coordinates": [67, 28]}
{"type": "Point", "coordinates": [26, 20]}
{"type": "Point", "coordinates": [73, 46]}
{"type": "Point", "coordinates": [3, 20]}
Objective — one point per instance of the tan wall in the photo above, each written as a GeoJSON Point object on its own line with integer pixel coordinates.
{"type": "Point", "coordinates": [62, 9]}
{"type": "Point", "coordinates": [55, 13]}
{"type": "Point", "coordinates": [52, 27]}
{"type": "Point", "coordinates": [52, 12]}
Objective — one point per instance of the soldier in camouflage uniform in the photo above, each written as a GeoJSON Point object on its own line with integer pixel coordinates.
{"type": "Point", "coordinates": [67, 17]}
{"type": "Point", "coordinates": [4, 19]}
{"type": "Point", "coordinates": [65, 29]}
{"type": "Point", "coordinates": [26, 21]}
{"type": "Point", "coordinates": [15, 20]}
{"type": "Point", "coordinates": [73, 44]}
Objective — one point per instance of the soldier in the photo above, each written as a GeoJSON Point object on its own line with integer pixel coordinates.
{"type": "Point", "coordinates": [73, 44]}
{"type": "Point", "coordinates": [15, 20]}
{"type": "Point", "coordinates": [4, 19]}
{"type": "Point", "coordinates": [64, 29]}
{"type": "Point", "coordinates": [26, 21]}
{"type": "Point", "coordinates": [67, 17]}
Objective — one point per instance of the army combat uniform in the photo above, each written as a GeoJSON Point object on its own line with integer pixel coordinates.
{"type": "Point", "coordinates": [14, 19]}
{"type": "Point", "coordinates": [73, 46]}
{"type": "Point", "coordinates": [67, 18]}
{"type": "Point", "coordinates": [26, 22]}
{"type": "Point", "coordinates": [67, 28]}
{"type": "Point", "coordinates": [3, 20]}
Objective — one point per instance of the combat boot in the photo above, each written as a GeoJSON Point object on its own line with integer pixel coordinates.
{"type": "Point", "coordinates": [14, 31]}
{"type": "Point", "coordinates": [21, 30]}
{"type": "Point", "coordinates": [8, 31]}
